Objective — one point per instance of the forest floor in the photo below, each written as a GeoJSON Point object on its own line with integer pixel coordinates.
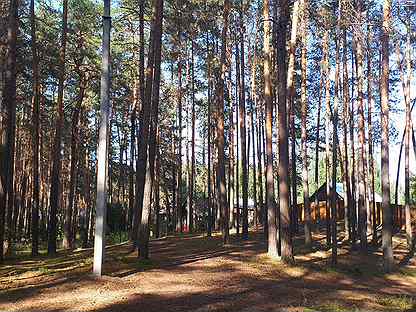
{"type": "Point", "coordinates": [196, 273]}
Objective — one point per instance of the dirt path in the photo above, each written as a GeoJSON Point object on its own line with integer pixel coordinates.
{"type": "Point", "coordinates": [194, 273]}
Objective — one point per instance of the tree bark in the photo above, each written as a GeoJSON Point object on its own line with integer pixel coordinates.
{"type": "Point", "coordinates": [191, 180]}
{"type": "Point", "coordinates": [388, 260]}
{"type": "Point", "coordinates": [152, 99]}
{"type": "Point", "coordinates": [408, 217]}
{"type": "Point", "coordinates": [346, 116]}
{"type": "Point", "coordinates": [291, 111]}
{"type": "Point", "coordinates": [243, 135]}
{"type": "Point", "coordinates": [272, 242]}
{"type": "Point", "coordinates": [362, 209]}
{"type": "Point", "coordinates": [56, 149]}
{"type": "Point", "coordinates": [335, 151]}
{"type": "Point", "coordinates": [304, 131]}
{"type": "Point", "coordinates": [139, 162]}
{"type": "Point", "coordinates": [370, 110]}
{"type": "Point", "coordinates": [36, 132]}
{"type": "Point", "coordinates": [222, 192]}
{"type": "Point", "coordinates": [286, 238]}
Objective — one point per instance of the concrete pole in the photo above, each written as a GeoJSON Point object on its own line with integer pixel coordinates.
{"type": "Point", "coordinates": [102, 152]}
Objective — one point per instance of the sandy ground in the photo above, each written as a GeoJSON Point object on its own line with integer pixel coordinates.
{"type": "Point", "coordinates": [196, 273]}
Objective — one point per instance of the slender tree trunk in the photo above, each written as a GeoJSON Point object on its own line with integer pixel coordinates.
{"type": "Point", "coordinates": [238, 100]}
{"type": "Point", "coordinates": [291, 109]}
{"type": "Point", "coordinates": [231, 166]}
{"type": "Point", "coordinates": [335, 151]}
{"type": "Point", "coordinates": [56, 150]}
{"type": "Point", "coordinates": [353, 206]}
{"type": "Point", "coordinates": [272, 245]}
{"type": "Point", "coordinates": [179, 225]}
{"type": "Point", "coordinates": [327, 133]}
{"type": "Point", "coordinates": [209, 208]}
{"type": "Point", "coordinates": [243, 135]}
{"type": "Point", "coordinates": [191, 181]}
{"type": "Point", "coordinates": [346, 116]}
{"type": "Point", "coordinates": [388, 260]}
{"type": "Point", "coordinates": [222, 192]}
{"type": "Point", "coordinates": [318, 127]}
{"type": "Point", "coordinates": [286, 238]}
{"type": "Point", "coordinates": [370, 110]}
{"type": "Point", "coordinates": [304, 131]}
{"type": "Point", "coordinates": [408, 217]}
{"type": "Point", "coordinates": [362, 210]}
{"type": "Point", "coordinates": [138, 198]}
{"type": "Point", "coordinates": [68, 243]}
{"type": "Point", "coordinates": [253, 104]}
{"type": "Point", "coordinates": [157, 187]}
{"type": "Point", "coordinates": [36, 132]}
{"type": "Point", "coordinates": [132, 157]}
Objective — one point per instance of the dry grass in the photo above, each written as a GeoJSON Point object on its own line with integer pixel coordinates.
{"type": "Point", "coordinates": [196, 273]}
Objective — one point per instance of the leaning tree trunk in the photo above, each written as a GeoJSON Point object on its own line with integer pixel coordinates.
{"type": "Point", "coordinates": [56, 148]}
{"type": "Point", "coordinates": [291, 109]}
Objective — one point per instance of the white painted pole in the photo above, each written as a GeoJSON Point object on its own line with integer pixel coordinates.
{"type": "Point", "coordinates": [102, 152]}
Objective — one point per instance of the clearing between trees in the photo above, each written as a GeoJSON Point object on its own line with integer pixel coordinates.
{"type": "Point", "coordinates": [197, 273]}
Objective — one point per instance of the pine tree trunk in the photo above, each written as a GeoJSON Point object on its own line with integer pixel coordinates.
{"type": "Point", "coordinates": [151, 101]}
{"type": "Point", "coordinates": [408, 217]}
{"type": "Point", "coordinates": [304, 131]}
{"type": "Point", "coordinates": [238, 134]}
{"type": "Point", "coordinates": [36, 133]}
{"type": "Point", "coordinates": [346, 116]}
{"type": "Point", "coordinates": [139, 174]}
{"type": "Point", "coordinates": [191, 181]}
{"type": "Point", "coordinates": [253, 104]}
{"type": "Point", "coordinates": [318, 127]}
{"type": "Point", "coordinates": [222, 192]}
{"type": "Point", "coordinates": [286, 238]}
{"type": "Point", "coordinates": [209, 173]}
{"type": "Point", "coordinates": [370, 110]}
{"type": "Point", "coordinates": [272, 230]}
{"type": "Point", "coordinates": [388, 260]}
{"type": "Point", "coordinates": [334, 152]}
{"type": "Point", "coordinates": [291, 112]}
{"type": "Point", "coordinates": [362, 209]}
{"type": "Point", "coordinates": [68, 243]}
{"type": "Point", "coordinates": [327, 138]}
{"type": "Point", "coordinates": [56, 148]}
{"type": "Point", "coordinates": [243, 135]}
